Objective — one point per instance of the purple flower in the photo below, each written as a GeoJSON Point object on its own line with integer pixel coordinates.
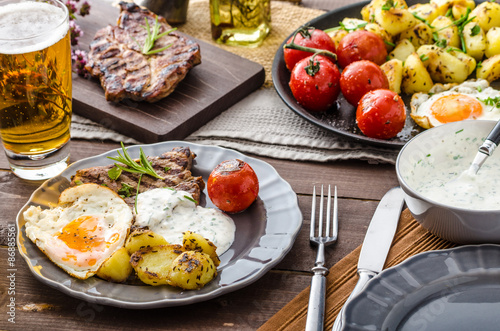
{"type": "Point", "coordinates": [79, 58]}
{"type": "Point", "coordinates": [71, 4]}
{"type": "Point", "coordinates": [85, 9]}
{"type": "Point", "coordinates": [75, 32]}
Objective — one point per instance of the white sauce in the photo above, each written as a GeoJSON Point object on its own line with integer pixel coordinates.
{"type": "Point", "coordinates": [442, 175]}
{"type": "Point", "coordinates": [169, 213]}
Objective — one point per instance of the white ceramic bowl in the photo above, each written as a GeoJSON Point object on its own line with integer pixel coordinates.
{"type": "Point", "coordinates": [425, 153]}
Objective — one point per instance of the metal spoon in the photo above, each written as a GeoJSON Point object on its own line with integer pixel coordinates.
{"type": "Point", "coordinates": [486, 149]}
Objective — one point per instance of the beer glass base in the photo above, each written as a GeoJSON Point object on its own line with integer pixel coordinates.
{"type": "Point", "coordinates": [39, 167]}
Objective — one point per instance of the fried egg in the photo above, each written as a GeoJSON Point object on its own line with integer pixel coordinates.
{"type": "Point", "coordinates": [87, 226]}
{"type": "Point", "coordinates": [451, 103]}
{"type": "Point", "coordinates": [170, 212]}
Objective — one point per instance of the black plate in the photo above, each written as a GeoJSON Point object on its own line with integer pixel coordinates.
{"type": "Point", "coordinates": [342, 119]}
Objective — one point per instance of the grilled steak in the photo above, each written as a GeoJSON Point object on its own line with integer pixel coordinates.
{"type": "Point", "coordinates": [174, 167]}
{"type": "Point", "coordinates": [116, 58]}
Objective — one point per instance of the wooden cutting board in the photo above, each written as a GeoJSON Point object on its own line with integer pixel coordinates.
{"type": "Point", "coordinates": [217, 83]}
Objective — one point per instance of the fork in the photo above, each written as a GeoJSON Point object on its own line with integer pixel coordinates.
{"type": "Point", "coordinates": [316, 308]}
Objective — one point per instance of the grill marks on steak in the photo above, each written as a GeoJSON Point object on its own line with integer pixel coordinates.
{"type": "Point", "coordinates": [174, 167]}
{"type": "Point", "coordinates": [116, 58]}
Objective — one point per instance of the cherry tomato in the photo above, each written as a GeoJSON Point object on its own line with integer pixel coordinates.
{"type": "Point", "coordinates": [233, 186]}
{"type": "Point", "coordinates": [361, 45]}
{"type": "Point", "coordinates": [315, 83]}
{"type": "Point", "coordinates": [359, 78]}
{"type": "Point", "coordinates": [381, 114]}
{"type": "Point", "coordinates": [308, 37]}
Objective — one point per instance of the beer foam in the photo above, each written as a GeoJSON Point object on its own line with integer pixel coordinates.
{"type": "Point", "coordinates": [30, 26]}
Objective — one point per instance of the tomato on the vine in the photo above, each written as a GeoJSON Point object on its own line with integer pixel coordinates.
{"type": "Point", "coordinates": [306, 37]}
{"type": "Point", "coordinates": [360, 77]}
{"type": "Point", "coordinates": [233, 186]}
{"type": "Point", "coordinates": [361, 45]}
{"type": "Point", "coordinates": [381, 114]}
{"type": "Point", "coordinates": [314, 83]}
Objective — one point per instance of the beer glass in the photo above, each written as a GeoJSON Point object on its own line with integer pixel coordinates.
{"type": "Point", "coordinates": [35, 86]}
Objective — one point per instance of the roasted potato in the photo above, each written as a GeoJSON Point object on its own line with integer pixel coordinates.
{"type": "Point", "coordinates": [192, 270]}
{"type": "Point", "coordinates": [442, 66]}
{"type": "Point", "coordinates": [489, 69]}
{"type": "Point", "coordinates": [154, 264]}
{"type": "Point", "coordinates": [403, 48]}
{"type": "Point", "coordinates": [418, 35]}
{"type": "Point", "coordinates": [415, 76]}
{"type": "Point", "coordinates": [475, 40]}
{"type": "Point", "coordinates": [195, 242]}
{"type": "Point", "coordinates": [393, 69]}
{"type": "Point", "coordinates": [460, 7]}
{"type": "Point", "coordinates": [368, 11]}
{"type": "Point", "coordinates": [425, 11]}
{"type": "Point", "coordinates": [468, 60]}
{"type": "Point", "coordinates": [444, 28]}
{"type": "Point", "coordinates": [487, 15]}
{"type": "Point", "coordinates": [395, 20]}
{"type": "Point", "coordinates": [141, 238]}
{"type": "Point", "coordinates": [492, 42]}
{"type": "Point", "coordinates": [117, 267]}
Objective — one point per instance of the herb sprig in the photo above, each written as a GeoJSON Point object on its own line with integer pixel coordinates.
{"type": "Point", "coordinates": [152, 37]}
{"type": "Point", "coordinates": [143, 167]}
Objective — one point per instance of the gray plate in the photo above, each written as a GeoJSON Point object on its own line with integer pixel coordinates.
{"type": "Point", "coordinates": [453, 289]}
{"type": "Point", "coordinates": [264, 234]}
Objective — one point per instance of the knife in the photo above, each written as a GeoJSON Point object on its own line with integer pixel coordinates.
{"type": "Point", "coordinates": [377, 242]}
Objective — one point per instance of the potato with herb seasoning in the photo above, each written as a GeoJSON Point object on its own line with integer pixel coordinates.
{"type": "Point", "coordinates": [489, 69]}
{"type": "Point", "coordinates": [395, 20]}
{"type": "Point", "coordinates": [492, 42]}
{"type": "Point", "coordinates": [117, 267]}
{"type": "Point", "coordinates": [418, 35]}
{"type": "Point", "coordinates": [402, 50]}
{"type": "Point", "coordinates": [425, 11]}
{"type": "Point", "coordinates": [154, 264]}
{"type": "Point", "coordinates": [415, 76]}
{"type": "Point", "coordinates": [475, 40]}
{"type": "Point", "coordinates": [141, 238]}
{"type": "Point", "coordinates": [487, 15]}
{"type": "Point", "coordinates": [442, 66]}
{"type": "Point", "coordinates": [195, 242]}
{"type": "Point", "coordinates": [445, 30]}
{"type": "Point", "coordinates": [192, 270]}
{"type": "Point", "coordinates": [393, 69]}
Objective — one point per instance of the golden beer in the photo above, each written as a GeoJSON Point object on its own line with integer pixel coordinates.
{"type": "Point", "coordinates": [35, 85]}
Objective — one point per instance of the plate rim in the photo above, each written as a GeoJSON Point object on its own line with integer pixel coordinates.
{"type": "Point", "coordinates": [295, 225]}
{"type": "Point", "coordinates": [404, 268]}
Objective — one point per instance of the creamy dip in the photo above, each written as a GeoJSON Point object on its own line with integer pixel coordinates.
{"type": "Point", "coordinates": [169, 213]}
{"type": "Point", "coordinates": [442, 175]}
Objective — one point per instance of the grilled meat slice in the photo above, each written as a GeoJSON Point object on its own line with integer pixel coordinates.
{"type": "Point", "coordinates": [116, 58]}
{"type": "Point", "coordinates": [174, 167]}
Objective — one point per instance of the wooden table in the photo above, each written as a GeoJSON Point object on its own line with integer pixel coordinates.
{"type": "Point", "coordinates": [39, 307]}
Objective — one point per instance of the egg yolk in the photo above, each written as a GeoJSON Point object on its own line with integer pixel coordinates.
{"type": "Point", "coordinates": [83, 234]}
{"type": "Point", "coordinates": [456, 107]}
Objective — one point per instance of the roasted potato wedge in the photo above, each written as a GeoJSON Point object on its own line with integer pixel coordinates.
{"type": "Point", "coordinates": [487, 15]}
{"type": "Point", "coordinates": [379, 31]}
{"type": "Point", "coordinates": [154, 264]}
{"type": "Point", "coordinates": [403, 48]}
{"type": "Point", "coordinates": [395, 20]}
{"type": "Point", "coordinates": [492, 42]}
{"type": "Point", "coordinates": [418, 35]}
{"type": "Point", "coordinates": [442, 66]}
{"type": "Point", "coordinates": [468, 60]}
{"type": "Point", "coordinates": [393, 69]}
{"type": "Point", "coordinates": [192, 270]}
{"type": "Point", "coordinates": [425, 11]}
{"type": "Point", "coordinates": [415, 76]}
{"type": "Point", "coordinates": [475, 40]}
{"type": "Point", "coordinates": [141, 238]}
{"type": "Point", "coordinates": [444, 28]}
{"type": "Point", "coordinates": [117, 267]}
{"type": "Point", "coordinates": [195, 242]}
{"type": "Point", "coordinates": [489, 69]}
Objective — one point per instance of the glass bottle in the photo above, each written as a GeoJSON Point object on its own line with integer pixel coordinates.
{"type": "Point", "coordinates": [240, 22]}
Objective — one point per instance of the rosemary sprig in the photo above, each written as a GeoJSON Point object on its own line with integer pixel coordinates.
{"type": "Point", "coordinates": [143, 167]}
{"type": "Point", "coordinates": [152, 37]}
